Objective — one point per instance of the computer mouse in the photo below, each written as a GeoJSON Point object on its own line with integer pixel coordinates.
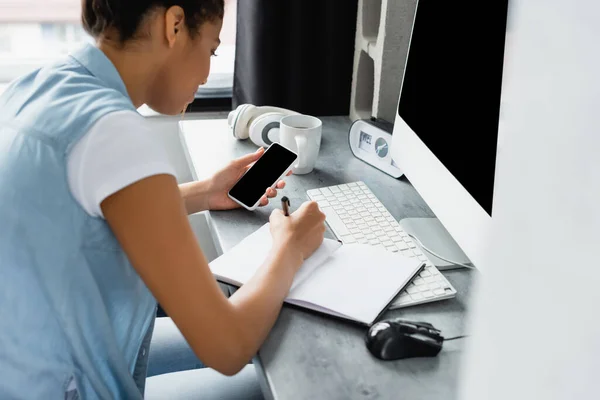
{"type": "Point", "coordinates": [396, 339]}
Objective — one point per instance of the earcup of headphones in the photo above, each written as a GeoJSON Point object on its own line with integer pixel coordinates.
{"type": "Point", "coordinates": [239, 120]}
{"type": "Point", "coordinates": [264, 129]}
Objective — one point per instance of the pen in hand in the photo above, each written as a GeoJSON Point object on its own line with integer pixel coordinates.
{"type": "Point", "coordinates": [285, 204]}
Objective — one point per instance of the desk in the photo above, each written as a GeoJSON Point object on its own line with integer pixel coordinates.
{"type": "Point", "coordinates": [311, 356]}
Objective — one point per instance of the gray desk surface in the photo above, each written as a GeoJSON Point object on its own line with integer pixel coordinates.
{"type": "Point", "coordinates": [311, 356]}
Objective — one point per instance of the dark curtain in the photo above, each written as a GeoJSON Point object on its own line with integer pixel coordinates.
{"type": "Point", "coordinates": [295, 54]}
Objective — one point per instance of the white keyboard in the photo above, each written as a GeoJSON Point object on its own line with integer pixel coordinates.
{"type": "Point", "coordinates": [354, 214]}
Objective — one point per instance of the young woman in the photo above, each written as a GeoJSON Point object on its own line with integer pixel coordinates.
{"type": "Point", "coordinates": [94, 229]}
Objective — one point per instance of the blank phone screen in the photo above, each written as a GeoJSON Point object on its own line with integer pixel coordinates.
{"type": "Point", "coordinates": [263, 174]}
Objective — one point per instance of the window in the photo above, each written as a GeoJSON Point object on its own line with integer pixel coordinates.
{"type": "Point", "coordinates": [34, 32]}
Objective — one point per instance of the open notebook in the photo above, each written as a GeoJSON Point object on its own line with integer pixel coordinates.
{"type": "Point", "coordinates": [351, 281]}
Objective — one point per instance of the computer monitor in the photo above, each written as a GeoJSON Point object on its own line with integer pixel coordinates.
{"type": "Point", "coordinates": [445, 136]}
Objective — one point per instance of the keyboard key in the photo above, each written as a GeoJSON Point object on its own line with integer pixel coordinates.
{"type": "Point", "coordinates": [418, 281]}
{"type": "Point", "coordinates": [335, 222]}
{"type": "Point", "coordinates": [416, 296]}
{"type": "Point", "coordinates": [334, 189]}
{"type": "Point", "coordinates": [403, 298]}
{"type": "Point", "coordinates": [348, 239]}
{"type": "Point", "coordinates": [417, 251]}
{"type": "Point", "coordinates": [408, 253]}
{"type": "Point", "coordinates": [423, 288]}
{"type": "Point", "coordinates": [326, 191]}
{"type": "Point", "coordinates": [412, 289]}
{"type": "Point", "coordinates": [401, 245]}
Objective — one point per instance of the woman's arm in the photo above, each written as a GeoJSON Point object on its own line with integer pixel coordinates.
{"type": "Point", "coordinates": [149, 220]}
{"type": "Point", "coordinates": [195, 196]}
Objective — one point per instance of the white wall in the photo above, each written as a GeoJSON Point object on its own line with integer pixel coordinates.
{"type": "Point", "coordinates": [535, 328]}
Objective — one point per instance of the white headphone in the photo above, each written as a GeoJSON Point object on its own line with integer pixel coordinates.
{"type": "Point", "coordinates": [260, 124]}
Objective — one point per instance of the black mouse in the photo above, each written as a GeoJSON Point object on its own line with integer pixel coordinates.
{"type": "Point", "coordinates": [396, 339]}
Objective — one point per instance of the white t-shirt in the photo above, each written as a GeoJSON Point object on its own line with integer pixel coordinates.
{"type": "Point", "coordinates": [119, 149]}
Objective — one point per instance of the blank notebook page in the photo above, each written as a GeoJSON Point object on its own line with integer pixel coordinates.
{"type": "Point", "coordinates": [240, 263]}
{"type": "Point", "coordinates": [357, 281]}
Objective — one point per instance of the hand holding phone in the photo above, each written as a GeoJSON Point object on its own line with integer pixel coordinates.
{"type": "Point", "coordinates": [272, 166]}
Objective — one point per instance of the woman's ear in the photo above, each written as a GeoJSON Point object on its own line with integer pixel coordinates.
{"type": "Point", "coordinates": [174, 20]}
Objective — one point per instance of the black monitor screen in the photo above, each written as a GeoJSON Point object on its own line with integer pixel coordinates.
{"type": "Point", "coordinates": [452, 85]}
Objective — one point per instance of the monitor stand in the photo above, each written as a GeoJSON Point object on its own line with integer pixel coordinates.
{"type": "Point", "coordinates": [435, 237]}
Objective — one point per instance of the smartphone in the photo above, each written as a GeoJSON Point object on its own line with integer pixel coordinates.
{"type": "Point", "coordinates": [272, 166]}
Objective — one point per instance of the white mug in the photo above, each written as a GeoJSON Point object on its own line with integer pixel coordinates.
{"type": "Point", "coordinates": [302, 135]}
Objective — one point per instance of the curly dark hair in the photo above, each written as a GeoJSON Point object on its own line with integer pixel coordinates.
{"type": "Point", "coordinates": [126, 16]}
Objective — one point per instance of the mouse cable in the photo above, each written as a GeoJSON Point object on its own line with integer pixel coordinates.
{"type": "Point", "coordinates": [456, 337]}
{"type": "Point", "coordinates": [437, 255]}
